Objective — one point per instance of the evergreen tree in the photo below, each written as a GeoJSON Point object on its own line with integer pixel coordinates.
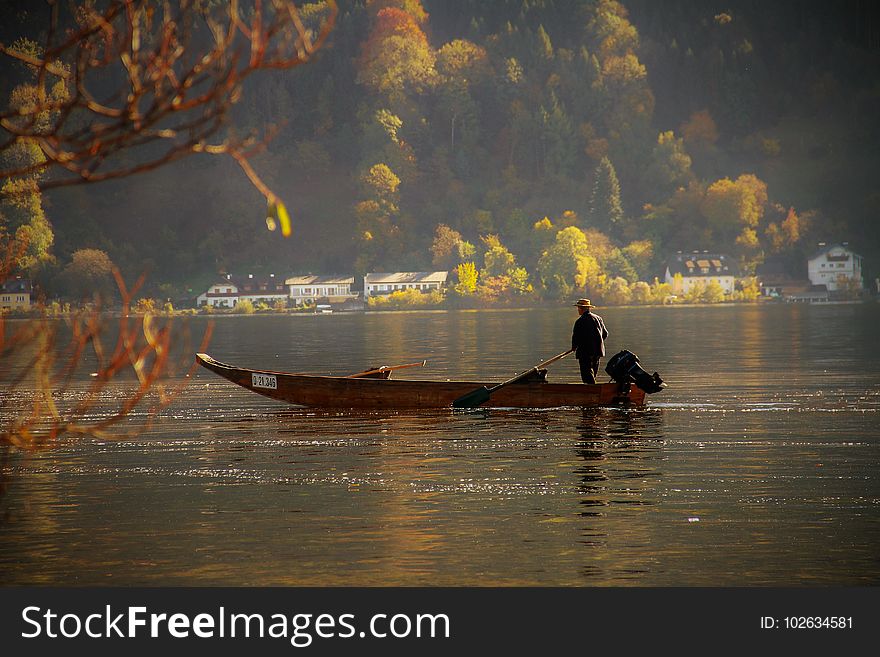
{"type": "Point", "coordinates": [544, 46]}
{"type": "Point", "coordinates": [559, 148]}
{"type": "Point", "coordinates": [606, 212]}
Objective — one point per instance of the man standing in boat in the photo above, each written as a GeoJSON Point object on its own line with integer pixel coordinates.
{"type": "Point", "coordinates": [588, 340]}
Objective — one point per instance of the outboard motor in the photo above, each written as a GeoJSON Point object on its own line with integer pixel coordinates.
{"type": "Point", "coordinates": [624, 367]}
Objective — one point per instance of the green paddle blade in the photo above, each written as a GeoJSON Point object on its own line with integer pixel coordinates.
{"type": "Point", "coordinates": [472, 399]}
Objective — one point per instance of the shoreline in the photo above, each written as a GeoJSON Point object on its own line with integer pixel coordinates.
{"type": "Point", "coordinates": [192, 312]}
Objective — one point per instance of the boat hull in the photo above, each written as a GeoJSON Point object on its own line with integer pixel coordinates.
{"type": "Point", "coordinates": [342, 392]}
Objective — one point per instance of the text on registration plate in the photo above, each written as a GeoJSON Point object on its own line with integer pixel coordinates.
{"type": "Point", "coordinates": [264, 381]}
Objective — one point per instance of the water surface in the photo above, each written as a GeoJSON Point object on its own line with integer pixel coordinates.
{"type": "Point", "coordinates": [757, 466]}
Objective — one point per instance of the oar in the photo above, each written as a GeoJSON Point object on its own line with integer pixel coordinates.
{"type": "Point", "coordinates": [385, 368]}
{"type": "Point", "coordinates": [481, 395]}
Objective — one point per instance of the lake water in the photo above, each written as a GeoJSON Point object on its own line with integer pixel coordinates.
{"type": "Point", "coordinates": [758, 465]}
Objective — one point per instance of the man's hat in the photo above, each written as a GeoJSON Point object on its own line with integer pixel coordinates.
{"type": "Point", "coordinates": [583, 303]}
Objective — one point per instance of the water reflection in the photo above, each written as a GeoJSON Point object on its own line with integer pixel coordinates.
{"type": "Point", "coordinates": [620, 451]}
{"type": "Point", "coordinates": [620, 448]}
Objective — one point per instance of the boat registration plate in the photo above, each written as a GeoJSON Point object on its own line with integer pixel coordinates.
{"type": "Point", "coordinates": [264, 381]}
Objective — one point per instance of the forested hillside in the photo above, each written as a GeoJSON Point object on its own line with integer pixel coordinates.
{"type": "Point", "coordinates": [558, 145]}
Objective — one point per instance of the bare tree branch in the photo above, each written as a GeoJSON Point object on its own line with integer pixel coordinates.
{"type": "Point", "coordinates": [39, 374]}
{"type": "Point", "coordinates": [136, 84]}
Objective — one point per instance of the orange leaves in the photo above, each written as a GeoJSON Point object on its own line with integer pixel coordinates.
{"type": "Point", "coordinates": [700, 128]}
{"type": "Point", "coordinates": [397, 53]}
{"type": "Point", "coordinates": [785, 233]}
{"type": "Point", "coordinates": [391, 21]}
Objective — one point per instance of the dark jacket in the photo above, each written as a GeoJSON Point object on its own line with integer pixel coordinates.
{"type": "Point", "coordinates": [588, 336]}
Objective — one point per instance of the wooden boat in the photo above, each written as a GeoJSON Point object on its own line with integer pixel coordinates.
{"type": "Point", "coordinates": [386, 393]}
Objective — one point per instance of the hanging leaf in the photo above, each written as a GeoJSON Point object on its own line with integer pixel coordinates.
{"type": "Point", "coordinates": [276, 214]}
{"type": "Point", "coordinates": [270, 215]}
{"type": "Point", "coordinates": [283, 219]}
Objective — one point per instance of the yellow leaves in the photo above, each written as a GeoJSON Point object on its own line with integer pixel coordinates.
{"type": "Point", "coordinates": [276, 215]}
{"type": "Point", "coordinates": [624, 70]}
{"type": "Point", "coordinates": [397, 54]}
{"type": "Point", "coordinates": [791, 227]}
{"type": "Point", "coordinates": [784, 234]}
{"type": "Point", "coordinates": [730, 204]}
{"type": "Point", "coordinates": [617, 34]}
{"type": "Point", "coordinates": [381, 181]}
{"type": "Point", "coordinates": [515, 72]}
{"type": "Point", "coordinates": [461, 58]}
{"type": "Point", "coordinates": [284, 218]}
{"type": "Point", "coordinates": [667, 137]}
{"type": "Point", "coordinates": [467, 278]}
{"type": "Point", "coordinates": [748, 238]}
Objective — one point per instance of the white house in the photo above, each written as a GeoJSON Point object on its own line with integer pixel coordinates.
{"type": "Point", "coordinates": [15, 293]}
{"type": "Point", "coordinates": [832, 262]}
{"type": "Point", "coordinates": [226, 294]}
{"type": "Point", "coordinates": [386, 283]}
{"type": "Point", "coordinates": [219, 295]}
{"type": "Point", "coordinates": [699, 267]}
{"type": "Point", "coordinates": [308, 289]}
